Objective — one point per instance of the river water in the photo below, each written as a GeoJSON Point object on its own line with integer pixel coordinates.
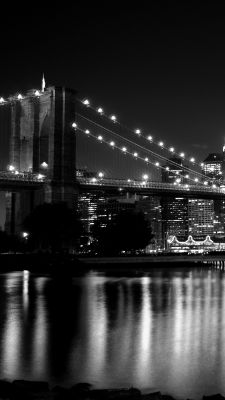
{"type": "Point", "coordinates": [159, 330]}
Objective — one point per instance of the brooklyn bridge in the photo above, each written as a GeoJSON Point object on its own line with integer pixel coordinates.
{"type": "Point", "coordinates": [55, 147]}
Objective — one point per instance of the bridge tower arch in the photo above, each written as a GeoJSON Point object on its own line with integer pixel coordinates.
{"type": "Point", "coordinates": [43, 141]}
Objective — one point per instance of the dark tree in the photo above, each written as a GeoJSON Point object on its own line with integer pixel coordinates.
{"type": "Point", "coordinates": [10, 243]}
{"type": "Point", "coordinates": [53, 226]}
{"type": "Point", "coordinates": [128, 231]}
{"type": "Point", "coordinates": [4, 242]}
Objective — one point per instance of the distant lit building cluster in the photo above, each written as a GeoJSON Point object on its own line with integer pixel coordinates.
{"type": "Point", "coordinates": [170, 217]}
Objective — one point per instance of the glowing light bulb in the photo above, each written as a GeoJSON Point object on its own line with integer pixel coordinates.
{"type": "Point", "coordinates": [40, 176]}
{"type": "Point", "coordinates": [145, 177]}
{"type": "Point", "coordinates": [74, 125]}
{"type": "Point", "coordinates": [112, 144]}
{"type": "Point", "coordinates": [128, 180]}
{"type": "Point", "coordinates": [124, 149]}
{"type": "Point", "coordinates": [93, 180]}
{"type": "Point", "coordinates": [196, 179]}
{"type": "Point", "coordinates": [100, 137]}
{"type": "Point", "coordinates": [11, 168]}
{"type": "Point", "coordinates": [202, 164]}
{"type": "Point", "coordinates": [161, 144]}
{"type": "Point", "coordinates": [214, 186]}
{"type": "Point", "coordinates": [182, 155]}
{"type": "Point", "coordinates": [19, 97]}
{"type": "Point", "coordinates": [135, 154]}
{"type": "Point", "coordinates": [86, 102]}
{"type": "Point", "coordinates": [149, 138]}
{"type": "Point", "coordinates": [100, 174]}
{"type": "Point", "coordinates": [157, 163]}
{"type": "Point", "coordinates": [138, 131]}
{"type": "Point", "coordinates": [44, 165]}
{"type": "Point", "coordinates": [205, 183]}
{"type": "Point", "coordinates": [187, 176]}
{"type": "Point", "coordinates": [146, 159]}
{"type": "Point", "coordinates": [25, 234]}
{"type": "Point", "coordinates": [167, 169]}
{"type": "Point", "coordinates": [192, 159]}
{"type": "Point", "coordinates": [87, 131]}
{"type": "Point", "coordinates": [100, 110]}
{"type": "Point", "coordinates": [2, 100]}
{"type": "Point", "coordinates": [113, 118]}
{"type": "Point", "coordinates": [171, 149]}
{"type": "Point", "coordinates": [37, 93]}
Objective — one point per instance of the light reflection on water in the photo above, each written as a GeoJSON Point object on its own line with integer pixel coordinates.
{"type": "Point", "coordinates": [164, 329]}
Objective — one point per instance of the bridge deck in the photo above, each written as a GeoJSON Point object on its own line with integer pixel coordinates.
{"type": "Point", "coordinates": [27, 181]}
{"type": "Point", "coordinates": [150, 188]}
{"type": "Point", "coordinates": [20, 181]}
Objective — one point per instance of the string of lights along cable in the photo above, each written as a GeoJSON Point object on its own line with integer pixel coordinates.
{"type": "Point", "coordinates": [124, 150]}
{"type": "Point", "coordinates": [198, 175]}
{"type": "Point", "coordinates": [148, 138]}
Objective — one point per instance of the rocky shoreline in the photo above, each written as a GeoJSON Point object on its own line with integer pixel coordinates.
{"type": "Point", "coordinates": [40, 390]}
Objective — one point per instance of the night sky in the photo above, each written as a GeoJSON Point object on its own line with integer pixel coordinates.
{"type": "Point", "coordinates": [160, 68]}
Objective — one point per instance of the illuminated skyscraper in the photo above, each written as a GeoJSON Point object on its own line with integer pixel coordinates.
{"type": "Point", "coordinates": [200, 218]}
{"type": "Point", "coordinates": [174, 210]}
{"type": "Point", "coordinates": [213, 166]}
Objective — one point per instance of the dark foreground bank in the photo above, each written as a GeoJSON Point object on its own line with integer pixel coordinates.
{"type": "Point", "coordinates": [30, 390]}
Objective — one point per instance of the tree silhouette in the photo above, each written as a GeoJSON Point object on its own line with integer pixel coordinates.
{"type": "Point", "coordinates": [10, 243]}
{"type": "Point", "coordinates": [53, 226]}
{"type": "Point", "coordinates": [128, 231]}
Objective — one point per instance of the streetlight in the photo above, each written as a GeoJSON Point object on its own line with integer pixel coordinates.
{"type": "Point", "coordinates": [25, 235]}
{"type": "Point", "coordinates": [44, 165]}
{"type": "Point", "coordinates": [86, 102]}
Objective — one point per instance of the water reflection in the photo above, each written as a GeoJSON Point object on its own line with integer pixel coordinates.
{"type": "Point", "coordinates": [162, 330]}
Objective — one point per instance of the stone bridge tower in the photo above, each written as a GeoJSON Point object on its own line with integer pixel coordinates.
{"type": "Point", "coordinates": [43, 141]}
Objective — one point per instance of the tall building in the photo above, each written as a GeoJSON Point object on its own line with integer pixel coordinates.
{"type": "Point", "coordinates": [97, 209]}
{"type": "Point", "coordinates": [174, 171]}
{"type": "Point", "coordinates": [174, 210]}
{"type": "Point", "coordinates": [200, 218]}
{"type": "Point", "coordinates": [212, 166]}
{"type": "Point", "coordinates": [152, 209]}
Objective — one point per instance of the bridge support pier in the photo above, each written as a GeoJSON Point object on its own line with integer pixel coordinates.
{"type": "Point", "coordinates": [18, 206]}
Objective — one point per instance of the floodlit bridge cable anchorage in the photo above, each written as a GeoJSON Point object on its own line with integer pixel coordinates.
{"type": "Point", "coordinates": [124, 150]}
{"type": "Point", "coordinates": [146, 159]}
{"type": "Point", "coordinates": [148, 138]}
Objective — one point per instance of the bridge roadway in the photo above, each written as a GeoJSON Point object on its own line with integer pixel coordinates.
{"type": "Point", "coordinates": [150, 188]}
{"type": "Point", "coordinates": [27, 181]}
{"type": "Point", "coordinates": [20, 181]}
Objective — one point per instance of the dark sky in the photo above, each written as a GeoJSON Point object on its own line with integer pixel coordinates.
{"type": "Point", "coordinates": [161, 68]}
